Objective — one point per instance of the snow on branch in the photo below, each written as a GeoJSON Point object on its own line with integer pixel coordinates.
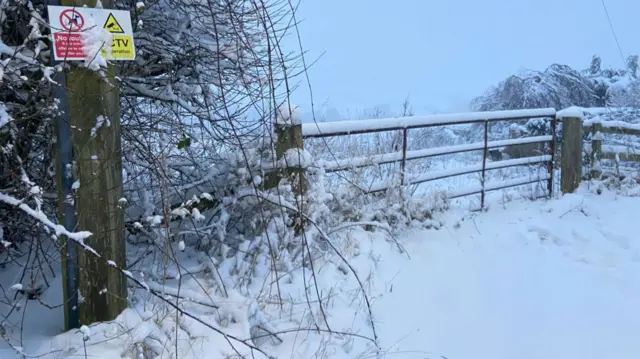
{"type": "Point", "coordinates": [77, 237]}
{"type": "Point", "coordinates": [613, 124]}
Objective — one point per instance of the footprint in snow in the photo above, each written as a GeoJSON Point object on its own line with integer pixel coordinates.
{"type": "Point", "coordinates": [621, 240]}
{"type": "Point", "coordinates": [546, 236]}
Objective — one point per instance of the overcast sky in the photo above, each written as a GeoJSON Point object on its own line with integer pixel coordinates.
{"type": "Point", "coordinates": [442, 53]}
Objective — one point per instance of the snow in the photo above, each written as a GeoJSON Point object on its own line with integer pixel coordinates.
{"type": "Point", "coordinates": [573, 111]}
{"type": "Point", "coordinates": [96, 40]}
{"type": "Point", "coordinates": [612, 124]}
{"type": "Point", "coordinates": [4, 116]}
{"type": "Point", "coordinates": [86, 332]}
{"type": "Point", "coordinates": [288, 114]}
{"type": "Point", "coordinates": [619, 149]}
{"type": "Point", "coordinates": [296, 157]}
{"type": "Point", "coordinates": [386, 124]}
{"type": "Point", "coordinates": [37, 214]}
{"type": "Point", "coordinates": [100, 121]}
{"type": "Point", "coordinates": [526, 279]}
{"type": "Point", "coordinates": [533, 280]}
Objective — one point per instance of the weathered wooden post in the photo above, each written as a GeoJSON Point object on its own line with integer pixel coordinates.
{"type": "Point", "coordinates": [596, 150]}
{"type": "Point", "coordinates": [290, 157]}
{"type": "Point", "coordinates": [95, 291]}
{"type": "Point", "coordinates": [571, 167]}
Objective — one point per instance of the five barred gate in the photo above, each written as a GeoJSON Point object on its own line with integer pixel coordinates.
{"type": "Point", "coordinates": [542, 150]}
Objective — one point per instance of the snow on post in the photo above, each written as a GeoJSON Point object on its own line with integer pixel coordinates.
{"type": "Point", "coordinates": [571, 148]}
{"type": "Point", "coordinates": [288, 115]}
{"type": "Point", "coordinates": [288, 145]}
{"type": "Point", "coordinates": [571, 112]}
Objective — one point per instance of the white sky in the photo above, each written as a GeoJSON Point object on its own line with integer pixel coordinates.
{"type": "Point", "coordinates": [443, 53]}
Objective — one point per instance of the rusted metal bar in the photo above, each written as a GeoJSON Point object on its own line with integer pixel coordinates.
{"type": "Point", "coordinates": [458, 195]}
{"type": "Point", "coordinates": [493, 166]}
{"type": "Point", "coordinates": [438, 123]}
{"type": "Point", "coordinates": [395, 157]}
{"type": "Point", "coordinates": [484, 161]}
{"type": "Point", "coordinates": [552, 149]}
{"type": "Point", "coordinates": [403, 164]}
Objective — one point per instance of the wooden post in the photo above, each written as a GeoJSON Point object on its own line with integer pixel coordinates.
{"type": "Point", "coordinates": [288, 137]}
{"type": "Point", "coordinates": [94, 116]}
{"type": "Point", "coordinates": [596, 151]}
{"type": "Point", "coordinates": [571, 154]}
{"type": "Point", "coordinates": [403, 164]}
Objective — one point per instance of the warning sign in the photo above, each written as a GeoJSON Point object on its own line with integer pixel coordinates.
{"type": "Point", "coordinates": [112, 25]}
{"type": "Point", "coordinates": [68, 46]}
{"type": "Point", "coordinates": [71, 20]}
{"type": "Point", "coordinates": [121, 47]}
{"type": "Point", "coordinates": [72, 25]}
{"type": "Point", "coordinates": [121, 44]}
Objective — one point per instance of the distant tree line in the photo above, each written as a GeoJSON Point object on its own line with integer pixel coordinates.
{"type": "Point", "coordinates": [560, 86]}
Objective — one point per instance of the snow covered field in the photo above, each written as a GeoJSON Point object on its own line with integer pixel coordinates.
{"type": "Point", "coordinates": [553, 279]}
{"type": "Point", "coordinates": [544, 279]}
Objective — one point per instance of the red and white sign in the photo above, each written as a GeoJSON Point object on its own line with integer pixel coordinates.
{"type": "Point", "coordinates": [71, 20]}
{"type": "Point", "coordinates": [67, 40]}
{"type": "Point", "coordinates": [78, 31]}
{"type": "Point", "coordinates": [68, 45]}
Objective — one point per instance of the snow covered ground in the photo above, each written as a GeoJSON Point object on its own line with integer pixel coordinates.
{"type": "Point", "coordinates": [544, 279]}
{"type": "Point", "coordinates": [553, 279]}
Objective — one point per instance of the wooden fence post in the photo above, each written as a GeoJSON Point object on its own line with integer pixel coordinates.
{"type": "Point", "coordinates": [94, 118]}
{"type": "Point", "coordinates": [288, 137]}
{"type": "Point", "coordinates": [403, 164]}
{"type": "Point", "coordinates": [571, 154]}
{"type": "Point", "coordinates": [596, 150]}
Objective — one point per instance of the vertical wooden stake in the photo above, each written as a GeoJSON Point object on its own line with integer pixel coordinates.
{"type": "Point", "coordinates": [288, 137]}
{"type": "Point", "coordinates": [596, 150]}
{"type": "Point", "coordinates": [94, 117]}
{"type": "Point", "coordinates": [571, 154]}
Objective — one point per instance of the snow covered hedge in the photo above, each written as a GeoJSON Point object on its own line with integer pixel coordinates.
{"type": "Point", "coordinates": [204, 235]}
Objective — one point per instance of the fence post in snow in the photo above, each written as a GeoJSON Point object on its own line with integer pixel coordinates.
{"type": "Point", "coordinates": [596, 150]}
{"type": "Point", "coordinates": [571, 167]}
{"type": "Point", "coordinates": [291, 164]}
{"type": "Point", "coordinates": [403, 164]}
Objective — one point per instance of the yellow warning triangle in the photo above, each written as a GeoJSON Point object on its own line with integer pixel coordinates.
{"type": "Point", "coordinates": [112, 25]}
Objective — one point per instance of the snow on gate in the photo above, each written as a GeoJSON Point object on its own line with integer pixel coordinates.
{"type": "Point", "coordinates": [401, 156]}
